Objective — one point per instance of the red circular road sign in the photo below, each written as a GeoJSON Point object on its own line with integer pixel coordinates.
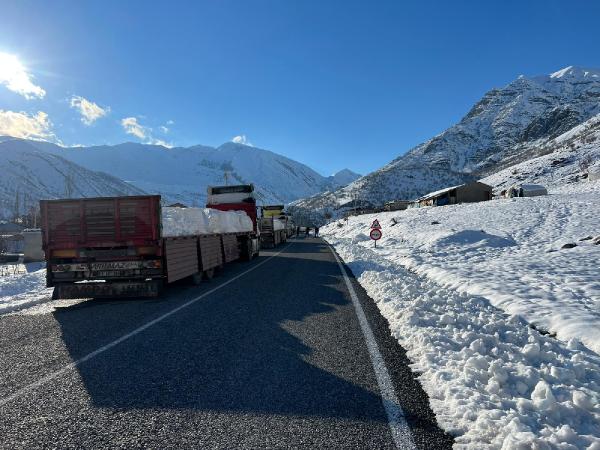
{"type": "Point", "coordinates": [375, 234]}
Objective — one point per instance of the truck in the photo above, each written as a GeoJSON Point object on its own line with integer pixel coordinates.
{"type": "Point", "coordinates": [273, 229]}
{"type": "Point", "coordinates": [108, 247]}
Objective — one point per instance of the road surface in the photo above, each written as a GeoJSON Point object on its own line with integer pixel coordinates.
{"type": "Point", "coordinates": [270, 354]}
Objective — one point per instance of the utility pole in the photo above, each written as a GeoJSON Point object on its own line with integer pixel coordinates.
{"type": "Point", "coordinates": [68, 185]}
{"type": "Point", "coordinates": [17, 211]}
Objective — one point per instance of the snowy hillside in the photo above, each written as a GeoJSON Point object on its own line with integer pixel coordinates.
{"type": "Point", "coordinates": [563, 160]}
{"type": "Point", "coordinates": [499, 317]}
{"type": "Point", "coordinates": [182, 174]}
{"type": "Point", "coordinates": [29, 174]}
{"type": "Point", "coordinates": [507, 126]}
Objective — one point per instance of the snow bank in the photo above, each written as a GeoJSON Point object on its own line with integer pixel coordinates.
{"type": "Point", "coordinates": [25, 288]}
{"type": "Point", "coordinates": [493, 382]}
{"type": "Point", "coordinates": [465, 289]}
{"type": "Point", "coordinates": [190, 221]}
{"type": "Point", "coordinates": [509, 251]}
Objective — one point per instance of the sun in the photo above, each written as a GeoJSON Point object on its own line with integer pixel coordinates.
{"type": "Point", "coordinates": [15, 77]}
{"type": "Point", "coordinates": [10, 68]}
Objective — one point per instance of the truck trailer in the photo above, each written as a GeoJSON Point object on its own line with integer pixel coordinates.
{"type": "Point", "coordinates": [273, 230]}
{"type": "Point", "coordinates": [113, 247]}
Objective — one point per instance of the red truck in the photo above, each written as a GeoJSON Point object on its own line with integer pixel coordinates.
{"type": "Point", "coordinates": [113, 247]}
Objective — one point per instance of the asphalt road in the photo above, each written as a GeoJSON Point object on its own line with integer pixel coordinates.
{"type": "Point", "coordinates": [269, 354]}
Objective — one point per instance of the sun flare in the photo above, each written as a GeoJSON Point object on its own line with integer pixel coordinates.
{"type": "Point", "coordinates": [15, 76]}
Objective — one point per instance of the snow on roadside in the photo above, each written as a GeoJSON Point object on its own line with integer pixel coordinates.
{"type": "Point", "coordinates": [508, 251]}
{"type": "Point", "coordinates": [492, 381]}
{"type": "Point", "coordinates": [24, 289]}
{"type": "Point", "coordinates": [461, 285]}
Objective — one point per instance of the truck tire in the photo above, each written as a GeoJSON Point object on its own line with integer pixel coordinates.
{"type": "Point", "coordinates": [247, 254]}
{"type": "Point", "coordinates": [160, 288]}
{"type": "Point", "coordinates": [197, 278]}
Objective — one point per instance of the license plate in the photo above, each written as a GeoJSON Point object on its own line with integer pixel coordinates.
{"type": "Point", "coordinates": [117, 265]}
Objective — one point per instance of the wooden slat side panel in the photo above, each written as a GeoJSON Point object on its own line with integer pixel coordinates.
{"type": "Point", "coordinates": [181, 257]}
{"type": "Point", "coordinates": [211, 255]}
{"type": "Point", "coordinates": [231, 249]}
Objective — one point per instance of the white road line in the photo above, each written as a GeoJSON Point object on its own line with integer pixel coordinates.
{"type": "Point", "coordinates": [74, 364]}
{"type": "Point", "coordinates": [398, 426]}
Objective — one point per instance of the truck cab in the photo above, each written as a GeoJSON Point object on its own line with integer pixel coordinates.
{"type": "Point", "coordinates": [239, 197]}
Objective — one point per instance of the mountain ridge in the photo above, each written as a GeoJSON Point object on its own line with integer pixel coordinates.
{"type": "Point", "coordinates": [30, 174]}
{"type": "Point", "coordinates": [181, 174]}
{"type": "Point", "coordinates": [505, 127]}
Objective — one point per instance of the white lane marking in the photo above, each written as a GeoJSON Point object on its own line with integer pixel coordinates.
{"type": "Point", "coordinates": [398, 426]}
{"type": "Point", "coordinates": [74, 364]}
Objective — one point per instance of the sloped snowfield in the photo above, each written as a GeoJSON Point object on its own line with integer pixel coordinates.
{"type": "Point", "coordinates": [501, 322]}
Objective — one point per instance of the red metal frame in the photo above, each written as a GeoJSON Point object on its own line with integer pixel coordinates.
{"type": "Point", "coordinates": [150, 235]}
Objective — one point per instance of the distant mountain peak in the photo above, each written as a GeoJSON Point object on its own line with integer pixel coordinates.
{"type": "Point", "coordinates": [343, 178]}
{"type": "Point", "coordinates": [345, 172]}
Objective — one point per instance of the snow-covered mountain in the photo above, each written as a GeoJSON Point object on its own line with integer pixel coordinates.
{"type": "Point", "coordinates": [28, 174]}
{"type": "Point", "coordinates": [506, 127]}
{"type": "Point", "coordinates": [569, 158]}
{"type": "Point", "coordinates": [342, 178]}
{"type": "Point", "coordinates": [182, 174]}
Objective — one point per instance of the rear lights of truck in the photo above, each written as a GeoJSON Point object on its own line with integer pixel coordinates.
{"type": "Point", "coordinates": [65, 253]}
{"type": "Point", "coordinates": [146, 251]}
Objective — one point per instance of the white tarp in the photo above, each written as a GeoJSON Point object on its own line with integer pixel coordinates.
{"type": "Point", "coordinates": [191, 221]}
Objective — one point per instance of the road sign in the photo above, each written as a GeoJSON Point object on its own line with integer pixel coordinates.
{"type": "Point", "coordinates": [375, 234]}
{"type": "Point", "coordinates": [375, 225]}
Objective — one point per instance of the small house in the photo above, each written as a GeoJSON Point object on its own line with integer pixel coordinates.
{"type": "Point", "coordinates": [11, 243]}
{"type": "Point", "coordinates": [32, 248]}
{"type": "Point", "coordinates": [526, 190]}
{"type": "Point", "coordinates": [396, 205]}
{"type": "Point", "coordinates": [464, 193]}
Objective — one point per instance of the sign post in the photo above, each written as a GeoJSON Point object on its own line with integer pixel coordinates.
{"type": "Point", "coordinates": [375, 233]}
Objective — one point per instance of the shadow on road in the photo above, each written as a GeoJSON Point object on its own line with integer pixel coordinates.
{"type": "Point", "coordinates": [276, 341]}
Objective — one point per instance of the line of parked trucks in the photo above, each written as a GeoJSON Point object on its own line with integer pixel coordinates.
{"type": "Point", "coordinates": [116, 246]}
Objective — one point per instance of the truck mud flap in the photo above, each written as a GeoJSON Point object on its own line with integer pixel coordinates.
{"type": "Point", "coordinates": [108, 290]}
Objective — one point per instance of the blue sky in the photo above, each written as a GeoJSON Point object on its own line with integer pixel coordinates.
{"type": "Point", "coordinates": [332, 84]}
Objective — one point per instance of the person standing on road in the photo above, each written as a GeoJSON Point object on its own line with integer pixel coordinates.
{"type": "Point", "coordinates": [316, 231]}
{"type": "Point", "coordinates": [307, 231]}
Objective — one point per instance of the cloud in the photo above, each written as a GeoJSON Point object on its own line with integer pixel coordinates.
{"type": "Point", "coordinates": [241, 139]}
{"type": "Point", "coordinates": [14, 76]}
{"type": "Point", "coordinates": [25, 126]}
{"type": "Point", "coordinates": [133, 127]}
{"type": "Point", "coordinates": [170, 122]}
{"type": "Point", "coordinates": [164, 129]}
{"type": "Point", "coordinates": [90, 111]}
